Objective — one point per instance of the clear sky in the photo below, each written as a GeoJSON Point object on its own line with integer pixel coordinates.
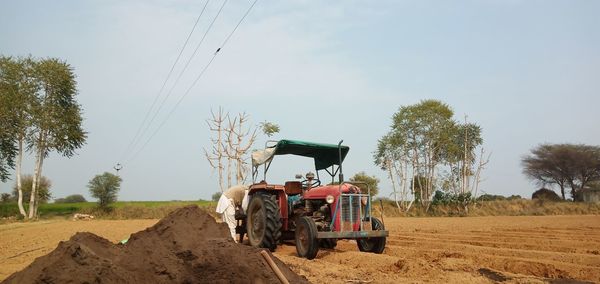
{"type": "Point", "coordinates": [528, 72]}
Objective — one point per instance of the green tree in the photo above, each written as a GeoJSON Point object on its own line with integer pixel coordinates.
{"type": "Point", "coordinates": [425, 141]}
{"type": "Point", "coordinates": [43, 192]}
{"type": "Point", "coordinates": [56, 123]}
{"type": "Point", "coordinates": [566, 165]}
{"type": "Point", "coordinates": [371, 181]}
{"type": "Point", "coordinates": [18, 87]}
{"type": "Point", "coordinates": [105, 187]}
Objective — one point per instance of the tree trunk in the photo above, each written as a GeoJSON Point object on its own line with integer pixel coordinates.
{"type": "Point", "coordinates": [389, 167]}
{"type": "Point", "coordinates": [562, 191]}
{"type": "Point", "coordinates": [19, 184]}
{"type": "Point", "coordinates": [37, 173]}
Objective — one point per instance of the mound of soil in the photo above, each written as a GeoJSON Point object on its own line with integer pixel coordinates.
{"type": "Point", "coordinates": [187, 246]}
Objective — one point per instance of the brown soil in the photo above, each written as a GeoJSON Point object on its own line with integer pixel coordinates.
{"type": "Point", "coordinates": [188, 246]}
{"type": "Point", "coordinates": [526, 249]}
{"type": "Point", "coordinates": [532, 249]}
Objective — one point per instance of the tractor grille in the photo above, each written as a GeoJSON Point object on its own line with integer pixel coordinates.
{"type": "Point", "coordinates": [350, 212]}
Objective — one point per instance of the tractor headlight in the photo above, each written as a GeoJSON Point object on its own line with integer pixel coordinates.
{"type": "Point", "coordinates": [329, 199]}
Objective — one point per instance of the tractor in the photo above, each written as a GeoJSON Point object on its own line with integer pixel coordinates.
{"type": "Point", "coordinates": [316, 215]}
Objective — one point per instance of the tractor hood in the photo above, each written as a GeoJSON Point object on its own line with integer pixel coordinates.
{"type": "Point", "coordinates": [321, 192]}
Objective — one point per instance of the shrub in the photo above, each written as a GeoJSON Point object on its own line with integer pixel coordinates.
{"type": "Point", "coordinates": [450, 198]}
{"type": "Point", "coordinates": [74, 198]}
{"type": "Point", "coordinates": [545, 194]}
{"type": "Point", "coordinates": [5, 198]}
{"type": "Point", "coordinates": [490, 197]}
{"type": "Point", "coordinates": [216, 196]}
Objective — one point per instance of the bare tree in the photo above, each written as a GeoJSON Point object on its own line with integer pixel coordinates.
{"type": "Point", "coordinates": [217, 153]}
{"type": "Point", "coordinates": [239, 141]}
{"type": "Point", "coordinates": [233, 137]}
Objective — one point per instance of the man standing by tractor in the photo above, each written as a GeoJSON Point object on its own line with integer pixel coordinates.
{"type": "Point", "coordinates": [234, 198]}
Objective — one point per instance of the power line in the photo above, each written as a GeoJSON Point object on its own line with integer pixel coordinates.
{"type": "Point", "coordinates": [196, 80]}
{"type": "Point", "coordinates": [137, 136]}
{"type": "Point", "coordinates": [162, 103]}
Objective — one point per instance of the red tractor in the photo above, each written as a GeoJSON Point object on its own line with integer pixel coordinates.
{"type": "Point", "coordinates": [313, 214]}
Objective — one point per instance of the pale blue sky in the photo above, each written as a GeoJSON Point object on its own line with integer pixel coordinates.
{"type": "Point", "coordinates": [527, 71]}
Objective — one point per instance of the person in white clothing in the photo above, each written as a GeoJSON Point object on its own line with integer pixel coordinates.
{"type": "Point", "coordinates": [232, 198]}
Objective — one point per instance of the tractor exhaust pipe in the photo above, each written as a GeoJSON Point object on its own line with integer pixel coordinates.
{"type": "Point", "coordinates": [341, 176]}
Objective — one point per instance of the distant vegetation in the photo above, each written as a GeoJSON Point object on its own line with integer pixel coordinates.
{"type": "Point", "coordinates": [513, 207]}
{"type": "Point", "coordinates": [121, 209]}
{"type": "Point", "coordinates": [75, 198]}
{"type": "Point", "coordinates": [574, 166]}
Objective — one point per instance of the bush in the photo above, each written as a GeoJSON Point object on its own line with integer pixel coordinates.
{"type": "Point", "coordinates": [546, 194]}
{"type": "Point", "coordinates": [450, 198]}
{"type": "Point", "coordinates": [490, 197]}
{"type": "Point", "coordinates": [216, 196]}
{"type": "Point", "coordinates": [5, 198]}
{"type": "Point", "coordinates": [74, 198]}
{"type": "Point", "coordinates": [514, 197]}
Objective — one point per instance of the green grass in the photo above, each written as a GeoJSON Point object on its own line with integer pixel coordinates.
{"type": "Point", "coordinates": [68, 209]}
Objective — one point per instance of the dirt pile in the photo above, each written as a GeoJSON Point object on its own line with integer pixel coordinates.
{"type": "Point", "coordinates": [187, 246]}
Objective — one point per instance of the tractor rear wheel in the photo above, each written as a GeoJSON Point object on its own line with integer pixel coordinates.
{"type": "Point", "coordinates": [307, 244]}
{"type": "Point", "coordinates": [263, 223]}
{"type": "Point", "coordinates": [374, 245]}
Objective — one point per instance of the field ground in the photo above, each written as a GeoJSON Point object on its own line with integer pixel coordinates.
{"type": "Point", "coordinates": [515, 249]}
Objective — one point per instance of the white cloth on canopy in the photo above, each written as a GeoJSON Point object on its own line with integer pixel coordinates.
{"type": "Point", "coordinates": [260, 157]}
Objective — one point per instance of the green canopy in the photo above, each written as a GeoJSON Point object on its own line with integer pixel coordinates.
{"type": "Point", "coordinates": [325, 155]}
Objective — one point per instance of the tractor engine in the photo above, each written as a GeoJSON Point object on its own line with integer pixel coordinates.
{"type": "Point", "coordinates": [318, 210]}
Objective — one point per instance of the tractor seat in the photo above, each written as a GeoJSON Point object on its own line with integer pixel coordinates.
{"type": "Point", "coordinates": [293, 187]}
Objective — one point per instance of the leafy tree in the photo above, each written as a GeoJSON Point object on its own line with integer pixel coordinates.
{"type": "Point", "coordinates": [269, 128]}
{"type": "Point", "coordinates": [105, 187]}
{"type": "Point", "coordinates": [566, 165]}
{"type": "Point", "coordinates": [74, 198]}
{"type": "Point", "coordinates": [215, 197]}
{"type": "Point", "coordinates": [371, 181]}
{"type": "Point", "coordinates": [425, 141]}
{"type": "Point", "coordinates": [18, 87]}
{"type": "Point", "coordinates": [43, 192]}
{"type": "Point", "coordinates": [56, 117]}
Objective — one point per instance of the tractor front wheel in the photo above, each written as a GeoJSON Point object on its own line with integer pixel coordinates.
{"type": "Point", "coordinates": [307, 244]}
{"type": "Point", "coordinates": [374, 245]}
{"type": "Point", "coordinates": [263, 223]}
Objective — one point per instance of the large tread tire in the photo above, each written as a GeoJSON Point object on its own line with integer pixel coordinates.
{"type": "Point", "coordinates": [307, 244]}
{"type": "Point", "coordinates": [263, 225]}
{"type": "Point", "coordinates": [374, 245]}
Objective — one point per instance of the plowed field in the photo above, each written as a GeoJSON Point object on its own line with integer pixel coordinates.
{"type": "Point", "coordinates": [544, 249]}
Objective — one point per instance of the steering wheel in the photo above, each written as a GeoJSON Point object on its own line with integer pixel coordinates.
{"type": "Point", "coordinates": [315, 183]}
